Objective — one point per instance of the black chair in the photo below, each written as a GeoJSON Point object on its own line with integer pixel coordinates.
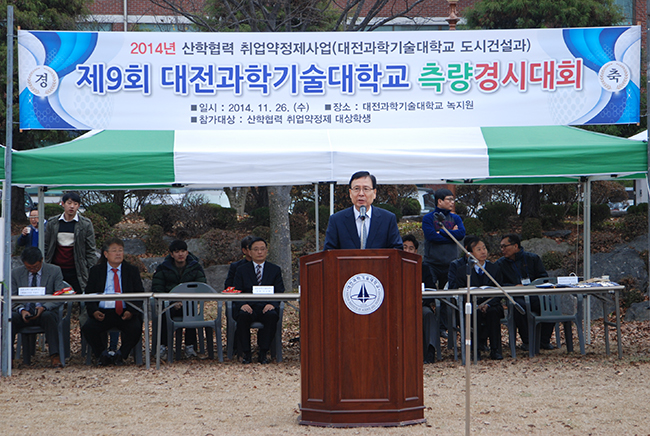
{"type": "Point", "coordinates": [231, 326]}
{"type": "Point", "coordinates": [27, 336]}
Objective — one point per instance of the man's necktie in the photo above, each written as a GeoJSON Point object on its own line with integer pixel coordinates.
{"type": "Point", "coordinates": [116, 286]}
{"type": "Point", "coordinates": [31, 307]}
{"type": "Point", "coordinates": [364, 233]}
{"type": "Point", "coordinates": [258, 273]}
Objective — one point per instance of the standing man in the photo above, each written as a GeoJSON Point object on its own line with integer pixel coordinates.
{"type": "Point", "coordinates": [34, 273]}
{"type": "Point", "coordinates": [439, 249]}
{"type": "Point", "coordinates": [376, 227]}
{"type": "Point", "coordinates": [70, 243]}
{"type": "Point", "coordinates": [112, 276]}
{"type": "Point", "coordinates": [245, 251]}
{"type": "Point", "coordinates": [520, 268]}
{"type": "Point", "coordinates": [29, 235]}
{"type": "Point", "coordinates": [250, 275]}
{"type": "Point", "coordinates": [180, 266]}
{"type": "Point", "coordinates": [489, 311]}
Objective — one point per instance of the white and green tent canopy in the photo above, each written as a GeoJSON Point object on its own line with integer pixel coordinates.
{"type": "Point", "coordinates": [144, 159]}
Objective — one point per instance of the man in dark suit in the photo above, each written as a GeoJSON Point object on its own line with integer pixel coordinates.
{"type": "Point", "coordinates": [34, 273]}
{"type": "Point", "coordinates": [248, 276]}
{"type": "Point", "coordinates": [378, 227]}
{"type": "Point", "coordinates": [112, 276]}
{"type": "Point", "coordinates": [489, 310]}
{"type": "Point", "coordinates": [245, 251]}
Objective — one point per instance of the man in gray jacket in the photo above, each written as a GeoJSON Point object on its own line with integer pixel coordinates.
{"type": "Point", "coordinates": [70, 243]}
{"type": "Point", "coordinates": [36, 274]}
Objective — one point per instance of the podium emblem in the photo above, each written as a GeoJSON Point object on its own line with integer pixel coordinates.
{"type": "Point", "coordinates": [363, 294]}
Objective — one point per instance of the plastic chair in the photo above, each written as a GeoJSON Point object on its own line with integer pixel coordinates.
{"type": "Point", "coordinates": [27, 336]}
{"type": "Point", "coordinates": [550, 312]}
{"type": "Point", "coordinates": [193, 317]}
{"type": "Point", "coordinates": [231, 326]}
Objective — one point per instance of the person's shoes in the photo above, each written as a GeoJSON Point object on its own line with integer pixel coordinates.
{"type": "Point", "coordinates": [548, 346]}
{"type": "Point", "coordinates": [263, 359]}
{"type": "Point", "coordinates": [246, 359]}
{"type": "Point", "coordinates": [495, 355]}
{"type": "Point", "coordinates": [524, 346]}
{"type": "Point", "coordinates": [189, 351]}
{"type": "Point", "coordinates": [117, 358]}
{"type": "Point", "coordinates": [483, 346]}
{"type": "Point", "coordinates": [56, 361]}
{"type": "Point", "coordinates": [444, 334]}
{"type": "Point", "coordinates": [105, 359]}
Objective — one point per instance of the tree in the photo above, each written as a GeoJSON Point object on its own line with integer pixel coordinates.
{"type": "Point", "coordinates": [291, 15]}
{"type": "Point", "coordinates": [288, 16]}
{"type": "Point", "coordinates": [525, 14]}
{"type": "Point", "coordinates": [33, 15]}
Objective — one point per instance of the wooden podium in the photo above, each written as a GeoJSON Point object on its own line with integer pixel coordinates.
{"type": "Point", "coordinates": [361, 358]}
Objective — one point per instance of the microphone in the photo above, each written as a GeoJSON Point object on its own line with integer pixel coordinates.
{"type": "Point", "coordinates": [362, 211]}
{"type": "Point", "coordinates": [440, 217]}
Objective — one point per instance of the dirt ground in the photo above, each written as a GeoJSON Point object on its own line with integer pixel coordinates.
{"type": "Point", "coordinates": [554, 393]}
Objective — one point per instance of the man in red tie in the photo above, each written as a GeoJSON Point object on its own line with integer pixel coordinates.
{"type": "Point", "coordinates": [112, 276]}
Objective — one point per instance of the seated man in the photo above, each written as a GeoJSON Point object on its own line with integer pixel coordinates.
{"type": "Point", "coordinates": [245, 251]}
{"type": "Point", "coordinates": [112, 275]}
{"type": "Point", "coordinates": [490, 310]}
{"type": "Point", "coordinates": [258, 272]}
{"type": "Point", "coordinates": [411, 245]}
{"type": "Point", "coordinates": [520, 268]}
{"type": "Point", "coordinates": [34, 273]}
{"type": "Point", "coordinates": [180, 266]}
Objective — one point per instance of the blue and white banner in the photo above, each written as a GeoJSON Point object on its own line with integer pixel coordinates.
{"type": "Point", "coordinates": [214, 81]}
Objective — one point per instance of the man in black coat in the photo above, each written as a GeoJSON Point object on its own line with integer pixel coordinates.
{"type": "Point", "coordinates": [519, 268]}
{"type": "Point", "coordinates": [248, 276]}
{"type": "Point", "coordinates": [489, 310]}
{"type": "Point", "coordinates": [112, 275]}
{"type": "Point", "coordinates": [245, 251]}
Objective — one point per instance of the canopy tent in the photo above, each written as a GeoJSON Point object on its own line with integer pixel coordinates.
{"type": "Point", "coordinates": [641, 136]}
{"type": "Point", "coordinates": [142, 159]}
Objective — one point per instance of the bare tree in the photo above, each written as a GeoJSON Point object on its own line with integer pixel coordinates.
{"type": "Point", "coordinates": [237, 198]}
{"type": "Point", "coordinates": [291, 15]}
{"type": "Point", "coordinates": [288, 16]}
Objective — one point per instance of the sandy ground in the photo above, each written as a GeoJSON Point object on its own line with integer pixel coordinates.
{"type": "Point", "coordinates": [554, 393]}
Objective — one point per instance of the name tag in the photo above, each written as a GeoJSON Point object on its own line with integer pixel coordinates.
{"type": "Point", "coordinates": [525, 281]}
{"type": "Point", "coordinates": [108, 305]}
{"type": "Point", "coordinates": [567, 280]}
{"type": "Point", "coordinates": [262, 289]}
{"type": "Point", "coordinates": [27, 292]}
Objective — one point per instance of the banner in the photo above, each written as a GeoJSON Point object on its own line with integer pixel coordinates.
{"type": "Point", "coordinates": [208, 81]}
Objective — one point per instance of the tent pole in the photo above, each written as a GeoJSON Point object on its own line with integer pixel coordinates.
{"type": "Point", "coordinates": [6, 201]}
{"type": "Point", "coordinates": [586, 240]}
{"type": "Point", "coordinates": [41, 219]}
{"type": "Point", "coordinates": [647, 90]}
{"type": "Point", "coordinates": [332, 196]}
{"type": "Point", "coordinates": [316, 205]}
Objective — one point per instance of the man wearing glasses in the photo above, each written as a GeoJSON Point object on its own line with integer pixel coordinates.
{"type": "Point", "coordinates": [112, 275]}
{"type": "Point", "coordinates": [439, 249]}
{"type": "Point", "coordinates": [362, 226]}
{"type": "Point", "coordinates": [520, 268]}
